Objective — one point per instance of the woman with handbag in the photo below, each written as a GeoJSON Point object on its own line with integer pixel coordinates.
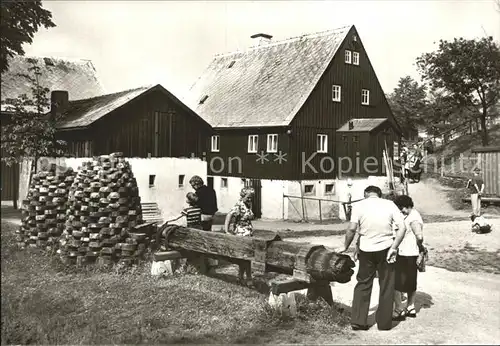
{"type": "Point", "coordinates": [411, 258]}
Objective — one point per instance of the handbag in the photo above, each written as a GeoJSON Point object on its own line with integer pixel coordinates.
{"type": "Point", "coordinates": [423, 256]}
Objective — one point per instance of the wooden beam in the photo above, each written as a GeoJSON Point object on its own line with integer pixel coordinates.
{"type": "Point", "coordinates": [288, 286]}
{"type": "Point", "coordinates": [167, 255]}
{"type": "Point", "coordinates": [281, 256]}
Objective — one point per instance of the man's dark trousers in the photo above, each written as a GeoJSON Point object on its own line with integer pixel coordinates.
{"type": "Point", "coordinates": [369, 263]}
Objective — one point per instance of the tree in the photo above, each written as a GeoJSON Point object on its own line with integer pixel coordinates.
{"type": "Point", "coordinates": [408, 103]}
{"type": "Point", "coordinates": [30, 131]}
{"type": "Point", "coordinates": [467, 72]}
{"type": "Point", "coordinates": [19, 22]}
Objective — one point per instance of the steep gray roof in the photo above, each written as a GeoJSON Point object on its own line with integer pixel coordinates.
{"type": "Point", "coordinates": [362, 125]}
{"type": "Point", "coordinates": [265, 85]}
{"type": "Point", "coordinates": [78, 77]}
{"type": "Point", "coordinates": [81, 113]}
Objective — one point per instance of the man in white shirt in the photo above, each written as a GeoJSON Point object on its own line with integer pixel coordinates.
{"type": "Point", "coordinates": [373, 218]}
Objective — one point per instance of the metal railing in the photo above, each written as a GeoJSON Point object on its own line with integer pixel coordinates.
{"type": "Point", "coordinates": [345, 205]}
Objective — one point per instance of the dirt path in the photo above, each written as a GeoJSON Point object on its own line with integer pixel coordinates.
{"type": "Point", "coordinates": [429, 197]}
{"type": "Point", "coordinates": [453, 307]}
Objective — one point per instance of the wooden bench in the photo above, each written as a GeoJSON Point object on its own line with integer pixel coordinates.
{"type": "Point", "coordinates": [151, 213]}
{"type": "Point", "coordinates": [485, 200]}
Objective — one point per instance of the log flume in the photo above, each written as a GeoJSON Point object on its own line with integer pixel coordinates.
{"type": "Point", "coordinates": [302, 260]}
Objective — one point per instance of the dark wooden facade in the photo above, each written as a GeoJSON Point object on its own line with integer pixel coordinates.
{"type": "Point", "coordinates": [9, 175]}
{"type": "Point", "coordinates": [364, 149]}
{"type": "Point", "coordinates": [152, 125]}
{"type": "Point", "coordinates": [318, 115]}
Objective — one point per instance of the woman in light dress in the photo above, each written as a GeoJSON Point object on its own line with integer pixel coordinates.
{"type": "Point", "coordinates": [239, 222]}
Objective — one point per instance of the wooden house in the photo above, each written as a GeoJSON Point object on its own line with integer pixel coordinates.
{"type": "Point", "coordinates": [277, 109]}
{"type": "Point", "coordinates": [291, 96]}
{"type": "Point", "coordinates": [143, 122]}
{"type": "Point", "coordinates": [76, 76]}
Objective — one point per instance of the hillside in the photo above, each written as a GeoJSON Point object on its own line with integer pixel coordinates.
{"type": "Point", "coordinates": [450, 154]}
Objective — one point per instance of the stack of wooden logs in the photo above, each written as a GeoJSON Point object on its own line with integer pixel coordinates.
{"type": "Point", "coordinates": [44, 210]}
{"type": "Point", "coordinates": [104, 207]}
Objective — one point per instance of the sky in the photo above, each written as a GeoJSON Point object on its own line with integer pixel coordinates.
{"type": "Point", "coordinates": [136, 43]}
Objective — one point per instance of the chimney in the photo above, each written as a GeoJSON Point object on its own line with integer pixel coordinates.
{"type": "Point", "coordinates": [351, 124]}
{"type": "Point", "coordinates": [263, 38]}
{"type": "Point", "coordinates": [58, 102]}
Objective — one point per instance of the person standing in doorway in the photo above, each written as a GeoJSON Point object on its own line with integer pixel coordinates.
{"type": "Point", "coordinates": [476, 188]}
{"type": "Point", "coordinates": [373, 218]}
{"type": "Point", "coordinates": [207, 201]}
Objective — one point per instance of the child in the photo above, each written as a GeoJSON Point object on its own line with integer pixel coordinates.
{"type": "Point", "coordinates": [192, 214]}
{"type": "Point", "coordinates": [479, 224]}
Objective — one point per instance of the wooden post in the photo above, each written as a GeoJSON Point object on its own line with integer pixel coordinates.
{"type": "Point", "coordinates": [320, 289]}
{"type": "Point", "coordinates": [283, 210]}
{"type": "Point", "coordinates": [302, 200]}
{"type": "Point", "coordinates": [320, 216]}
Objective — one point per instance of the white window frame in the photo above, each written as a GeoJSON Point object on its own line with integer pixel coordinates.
{"type": "Point", "coordinates": [215, 143]}
{"type": "Point", "coordinates": [348, 56]}
{"type": "Point", "coordinates": [322, 143]}
{"type": "Point", "coordinates": [336, 93]}
{"type": "Point", "coordinates": [365, 97]}
{"type": "Point", "coordinates": [355, 58]}
{"type": "Point", "coordinates": [253, 143]}
{"type": "Point", "coordinates": [272, 143]}
{"type": "Point", "coordinates": [332, 192]}
{"type": "Point", "coordinates": [313, 189]}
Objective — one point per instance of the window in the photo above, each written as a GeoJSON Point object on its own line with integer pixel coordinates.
{"type": "Point", "coordinates": [152, 180]}
{"type": "Point", "coordinates": [223, 183]}
{"type": "Point", "coordinates": [365, 97]}
{"type": "Point", "coordinates": [215, 143]}
{"type": "Point", "coordinates": [336, 89]}
{"type": "Point", "coordinates": [322, 143]}
{"type": "Point", "coordinates": [329, 189]}
{"type": "Point", "coordinates": [181, 180]}
{"type": "Point", "coordinates": [309, 189]}
{"type": "Point", "coordinates": [355, 58]}
{"type": "Point", "coordinates": [253, 143]}
{"type": "Point", "coordinates": [355, 139]}
{"type": "Point", "coordinates": [347, 56]}
{"type": "Point", "coordinates": [272, 143]}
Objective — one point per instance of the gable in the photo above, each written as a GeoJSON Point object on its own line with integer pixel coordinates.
{"type": "Point", "coordinates": [265, 85]}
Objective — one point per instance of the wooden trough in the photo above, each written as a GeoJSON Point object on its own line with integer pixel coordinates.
{"type": "Point", "coordinates": [311, 266]}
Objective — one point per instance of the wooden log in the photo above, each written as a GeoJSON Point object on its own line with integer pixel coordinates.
{"type": "Point", "coordinates": [281, 256]}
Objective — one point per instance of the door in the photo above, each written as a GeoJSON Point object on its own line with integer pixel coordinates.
{"type": "Point", "coordinates": [9, 178]}
{"type": "Point", "coordinates": [210, 182]}
{"type": "Point", "coordinates": [257, 199]}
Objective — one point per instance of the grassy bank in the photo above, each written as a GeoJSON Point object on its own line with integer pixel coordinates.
{"type": "Point", "coordinates": [467, 259]}
{"type": "Point", "coordinates": [44, 302]}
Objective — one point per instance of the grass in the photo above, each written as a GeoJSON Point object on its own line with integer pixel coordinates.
{"type": "Point", "coordinates": [44, 302]}
{"type": "Point", "coordinates": [468, 259]}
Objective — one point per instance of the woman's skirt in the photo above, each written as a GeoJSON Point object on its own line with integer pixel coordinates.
{"type": "Point", "coordinates": [406, 273]}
